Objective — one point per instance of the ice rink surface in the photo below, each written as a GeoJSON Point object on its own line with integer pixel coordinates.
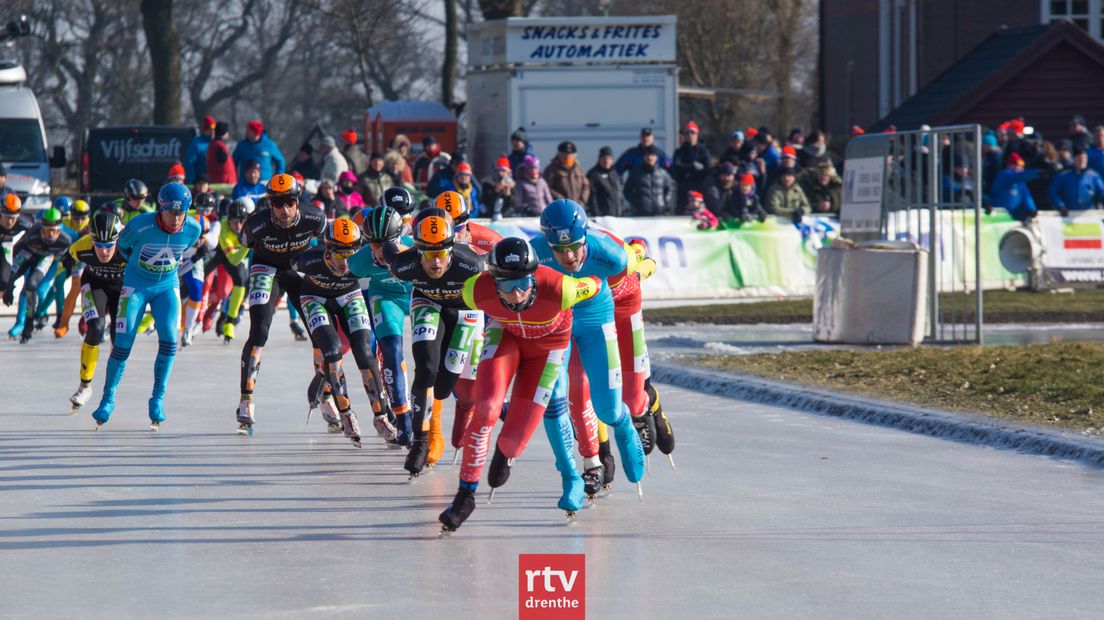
{"type": "Point", "coordinates": [772, 513]}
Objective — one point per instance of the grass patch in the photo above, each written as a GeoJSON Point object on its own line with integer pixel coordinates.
{"type": "Point", "coordinates": [1056, 384]}
{"type": "Point", "coordinates": [1082, 306]}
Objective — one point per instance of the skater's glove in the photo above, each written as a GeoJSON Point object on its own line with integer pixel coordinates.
{"type": "Point", "coordinates": [9, 297]}
{"type": "Point", "coordinates": [646, 268]}
{"type": "Point", "coordinates": [60, 331]}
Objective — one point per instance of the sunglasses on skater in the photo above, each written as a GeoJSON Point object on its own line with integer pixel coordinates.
{"type": "Point", "coordinates": [570, 247]}
{"type": "Point", "coordinates": [103, 246]}
{"type": "Point", "coordinates": [284, 202]}
{"type": "Point", "coordinates": [510, 285]}
{"type": "Point", "coordinates": [431, 254]}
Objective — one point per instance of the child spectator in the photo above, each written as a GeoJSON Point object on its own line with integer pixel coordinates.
{"type": "Point", "coordinates": [695, 206]}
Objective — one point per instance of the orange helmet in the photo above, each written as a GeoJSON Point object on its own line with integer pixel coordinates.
{"type": "Point", "coordinates": [342, 235]}
{"type": "Point", "coordinates": [433, 229]}
{"type": "Point", "coordinates": [283, 185]}
{"type": "Point", "coordinates": [455, 205]}
{"type": "Point", "coordinates": [12, 204]}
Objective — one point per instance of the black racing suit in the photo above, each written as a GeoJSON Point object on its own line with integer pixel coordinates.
{"type": "Point", "coordinates": [330, 301]}
{"type": "Point", "coordinates": [270, 272]}
{"type": "Point", "coordinates": [32, 258]}
{"type": "Point", "coordinates": [100, 283]}
{"type": "Point", "coordinates": [437, 309]}
{"type": "Point", "coordinates": [7, 236]}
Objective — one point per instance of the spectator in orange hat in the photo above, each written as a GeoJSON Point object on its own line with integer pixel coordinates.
{"type": "Point", "coordinates": [195, 156]}
{"type": "Point", "coordinates": [746, 204]}
{"type": "Point", "coordinates": [463, 184]}
{"type": "Point", "coordinates": [176, 173]}
{"type": "Point", "coordinates": [690, 165]}
{"type": "Point", "coordinates": [496, 193]}
{"type": "Point", "coordinates": [857, 131]}
{"type": "Point", "coordinates": [695, 205]}
{"type": "Point", "coordinates": [354, 156]}
{"type": "Point", "coordinates": [1010, 190]}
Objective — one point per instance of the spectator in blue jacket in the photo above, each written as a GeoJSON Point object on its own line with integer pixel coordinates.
{"type": "Point", "coordinates": [1010, 191]}
{"type": "Point", "coordinates": [1096, 151]}
{"type": "Point", "coordinates": [195, 157]}
{"type": "Point", "coordinates": [250, 184]}
{"type": "Point", "coordinates": [258, 147]}
{"type": "Point", "coordinates": [1078, 188]}
{"type": "Point", "coordinates": [634, 156]}
{"type": "Point", "coordinates": [520, 149]}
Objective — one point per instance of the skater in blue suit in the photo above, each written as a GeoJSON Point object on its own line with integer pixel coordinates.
{"type": "Point", "coordinates": [153, 244]}
{"type": "Point", "coordinates": [566, 244]}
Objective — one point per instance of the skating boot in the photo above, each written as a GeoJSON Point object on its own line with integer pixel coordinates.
{"type": "Point", "coordinates": [436, 437]}
{"type": "Point", "coordinates": [228, 330]}
{"type": "Point", "coordinates": [103, 412]}
{"type": "Point", "coordinates": [350, 427]}
{"type": "Point", "coordinates": [665, 435]}
{"type": "Point", "coordinates": [405, 426]}
{"type": "Point", "coordinates": [298, 331]}
{"type": "Point", "coordinates": [592, 482]}
{"type": "Point", "coordinates": [245, 417]}
{"type": "Point", "coordinates": [573, 493]}
{"type": "Point", "coordinates": [185, 338]}
{"type": "Point", "coordinates": [40, 323]}
{"type": "Point", "coordinates": [219, 323]}
{"type": "Point", "coordinates": [416, 458]}
{"type": "Point", "coordinates": [331, 415]}
{"type": "Point", "coordinates": [499, 472]}
{"type": "Point", "coordinates": [609, 465]}
{"type": "Point", "coordinates": [385, 428]}
{"type": "Point", "coordinates": [25, 337]}
{"type": "Point", "coordinates": [155, 426]}
{"type": "Point", "coordinates": [459, 510]}
{"type": "Point", "coordinates": [156, 413]}
{"type": "Point", "coordinates": [645, 426]}
{"type": "Point", "coordinates": [629, 449]}
{"type": "Point", "coordinates": [81, 397]}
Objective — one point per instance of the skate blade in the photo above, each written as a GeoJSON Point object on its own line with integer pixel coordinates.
{"type": "Point", "coordinates": [570, 516]}
{"type": "Point", "coordinates": [640, 491]}
{"type": "Point", "coordinates": [356, 442]}
{"type": "Point", "coordinates": [490, 498]}
{"type": "Point", "coordinates": [245, 430]}
{"type": "Point", "coordinates": [445, 532]}
{"type": "Point", "coordinates": [74, 409]}
{"type": "Point", "coordinates": [671, 460]}
{"type": "Point", "coordinates": [455, 456]}
{"type": "Point", "coordinates": [155, 427]}
{"type": "Point", "coordinates": [309, 412]}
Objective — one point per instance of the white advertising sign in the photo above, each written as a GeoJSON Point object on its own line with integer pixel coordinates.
{"type": "Point", "coordinates": [861, 209]}
{"type": "Point", "coordinates": [574, 40]}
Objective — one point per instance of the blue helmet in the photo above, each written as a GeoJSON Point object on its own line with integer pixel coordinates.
{"type": "Point", "coordinates": [63, 204]}
{"type": "Point", "coordinates": [563, 221]}
{"type": "Point", "coordinates": [174, 197]}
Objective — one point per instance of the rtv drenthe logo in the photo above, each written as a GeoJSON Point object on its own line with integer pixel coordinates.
{"type": "Point", "coordinates": [159, 258]}
{"type": "Point", "coordinates": [552, 586]}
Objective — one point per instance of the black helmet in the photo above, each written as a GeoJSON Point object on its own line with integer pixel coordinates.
{"type": "Point", "coordinates": [398, 198]}
{"type": "Point", "coordinates": [112, 206]}
{"type": "Point", "coordinates": [513, 257]}
{"type": "Point", "coordinates": [382, 224]}
{"type": "Point", "coordinates": [204, 202]}
{"type": "Point", "coordinates": [238, 210]}
{"type": "Point", "coordinates": [224, 206]}
{"type": "Point", "coordinates": [105, 226]}
{"type": "Point", "coordinates": [135, 189]}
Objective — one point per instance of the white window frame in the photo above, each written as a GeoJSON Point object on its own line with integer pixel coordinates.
{"type": "Point", "coordinates": [1094, 16]}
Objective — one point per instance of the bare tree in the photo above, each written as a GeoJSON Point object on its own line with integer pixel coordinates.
{"type": "Point", "coordinates": [164, 48]}
{"type": "Point", "coordinates": [448, 66]}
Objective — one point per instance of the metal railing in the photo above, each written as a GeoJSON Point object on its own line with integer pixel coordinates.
{"type": "Point", "coordinates": [932, 197]}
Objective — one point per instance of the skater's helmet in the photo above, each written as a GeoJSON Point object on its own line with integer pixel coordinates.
{"type": "Point", "coordinates": [382, 224]}
{"type": "Point", "coordinates": [80, 208]}
{"type": "Point", "coordinates": [51, 217]}
{"type": "Point", "coordinates": [398, 198]}
{"type": "Point", "coordinates": [63, 204]}
{"type": "Point", "coordinates": [563, 221]}
{"type": "Point", "coordinates": [342, 236]}
{"type": "Point", "coordinates": [513, 257]}
{"type": "Point", "coordinates": [105, 227]}
{"type": "Point", "coordinates": [240, 208]}
{"type": "Point", "coordinates": [12, 204]}
{"type": "Point", "coordinates": [283, 185]}
{"type": "Point", "coordinates": [205, 202]}
{"type": "Point", "coordinates": [455, 205]}
{"type": "Point", "coordinates": [135, 189]}
{"type": "Point", "coordinates": [433, 229]}
{"type": "Point", "coordinates": [174, 197]}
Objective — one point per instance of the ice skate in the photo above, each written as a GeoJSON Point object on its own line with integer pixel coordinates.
{"type": "Point", "coordinates": [664, 434]}
{"type": "Point", "coordinates": [81, 397]}
{"type": "Point", "coordinates": [245, 417]}
{"type": "Point", "coordinates": [416, 458]}
{"type": "Point", "coordinates": [298, 331]}
{"type": "Point", "coordinates": [186, 338]}
{"type": "Point", "coordinates": [350, 427]}
{"type": "Point", "coordinates": [156, 412]}
{"type": "Point", "coordinates": [499, 471]}
{"type": "Point", "coordinates": [629, 449]}
{"type": "Point", "coordinates": [609, 465]}
{"type": "Point", "coordinates": [461, 508]}
{"type": "Point", "coordinates": [331, 415]}
{"type": "Point", "coordinates": [384, 427]}
{"type": "Point", "coordinates": [155, 426]}
{"type": "Point", "coordinates": [645, 426]}
{"type": "Point", "coordinates": [592, 482]}
{"type": "Point", "coordinates": [405, 427]}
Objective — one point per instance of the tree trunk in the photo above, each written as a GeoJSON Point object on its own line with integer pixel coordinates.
{"type": "Point", "coordinates": [164, 48]}
{"type": "Point", "coordinates": [448, 69]}
{"type": "Point", "coordinates": [498, 9]}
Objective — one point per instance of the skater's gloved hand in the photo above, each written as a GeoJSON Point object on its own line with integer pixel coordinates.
{"type": "Point", "coordinates": [9, 297]}
{"type": "Point", "coordinates": [798, 214]}
{"type": "Point", "coordinates": [762, 216]}
{"type": "Point", "coordinates": [646, 268]}
{"type": "Point", "coordinates": [60, 331]}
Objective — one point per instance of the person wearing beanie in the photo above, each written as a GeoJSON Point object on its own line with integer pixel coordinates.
{"type": "Point", "coordinates": [690, 165]}
{"type": "Point", "coordinates": [333, 162]}
{"type": "Point", "coordinates": [463, 184]}
{"type": "Point", "coordinates": [634, 155]}
{"type": "Point", "coordinates": [786, 197]}
{"type": "Point", "coordinates": [532, 193]}
{"type": "Point", "coordinates": [1079, 137]}
{"type": "Point", "coordinates": [519, 150]}
{"type": "Point", "coordinates": [349, 199]}
{"type": "Point", "coordinates": [649, 189]}
{"type": "Point", "coordinates": [351, 151]}
{"type": "Point", "coordinates": [195, 156]}
{"type": "Point", "coordinates": [720, 189]}
{"type": "Point", "coordinates": [496, 192]}
{"type": "Point", "coordinates": [565, 176]}
{"type": "Point", "coordinates": [746, 204]}
{"type": "Point", "coordinates": [258, 147]}
{"type": "Point", "coordinates": [1010, 191]}
{"type": "Point", "coordinates": [175, 174]}
{"type": "Point", "coordinates": [732, 153]}
{"type": "Point", "coordinates": [421, 170]}
{"type": "Point", "coordinates": [605, 186]}
{"type": "Point", "coordinates": [250, 185]}
{"type": "Point", "coordinates": [702, 217]}
{"type": "Point", "coordinates": [823, 187]}
{"type": "Point", "coordinates": [220, 165]}
{"type": "Point", "coordinates": [304, 163]}
{"type": "Point", "coordinates": [375, 180]}
{"type": "Point", "coordinates": [813, 151]}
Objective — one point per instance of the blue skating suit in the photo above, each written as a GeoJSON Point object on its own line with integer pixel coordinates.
{"type": "Point", "coordinates": [150, 278]}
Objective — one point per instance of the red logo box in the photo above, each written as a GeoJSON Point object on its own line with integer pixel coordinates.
{"type": "Point", "coordinates": [551, 586]}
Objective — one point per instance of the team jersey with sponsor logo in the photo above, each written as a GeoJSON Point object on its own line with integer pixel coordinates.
{"type": "Point", "coordinates": [22, 224]}
{"type": "Point", "coordinates": [550, 312]}
{"type": "Point", "coordinates": [275, 245]}
{"type": "Point", "coordinates": [153, 255]}
{"type": "Point", "coordinates": [446, 291]}
{"type": "Point", "coordinates": [82, 258]}
{"type": "Point", "coordinates": [319, 279]}
{"type": "Point", "coordinates": [382, 283]}
{"type": "Point", "coordinates": [605, 258]}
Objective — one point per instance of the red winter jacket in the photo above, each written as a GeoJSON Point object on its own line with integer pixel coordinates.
{"type": "Point", "coordinates": [220, 167]}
